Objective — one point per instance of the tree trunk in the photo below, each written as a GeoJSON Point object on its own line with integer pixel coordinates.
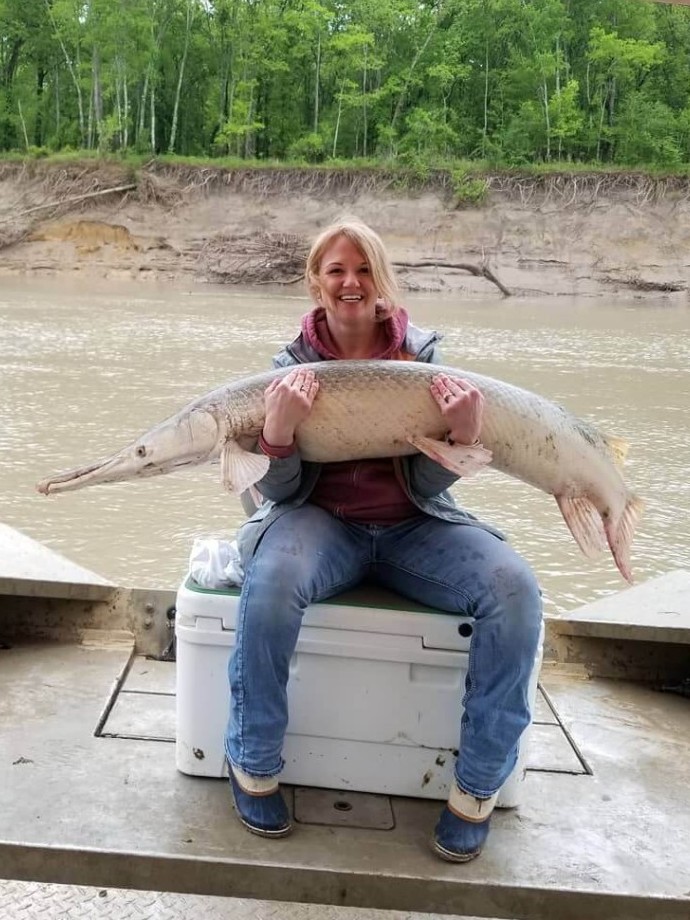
{"type": "Point", "coordinates": [38, 124]}
{"type": "Point", "coordinates": [21, 118]}
{"type": "Point", "coordinates": [223, 107]}
{"type": "Point", "coordinates": [125, 114]}
{"type": "Point", "coordinates": [602, 113]}
{"type": "Point", "coordinates": [141, 121]}
{"type": "Point", "coordinates": [156, 42]}
{"type": "Point", "coordinates": [180, 76]}
{"type": "Point", "coordinates": [485, 129]}
{"type": "Point", "coordinates": [337, 122]}
{"type": "Point", "coordinates": [57, 100]}
{"type": "Point", "coordinates": [70, 67]}
{"type": "Point", "coordinates": [97, 93]}
{"type": "Point", "coordinates": [558, 93]}
{"type": "Point", "coordinates": [89, 123]}
{"type": "Point", "coordinates": [152, 97]}
{"type": "Point", "coordinates": [249, 134]}
{"type": "Point", "coordinates": [316, 86]}
{"type": "Point", "coordinates": [547, 120]}
{"type": "Point", "coordinates": [365, 126]}
{"type": "Point", "coordinates": [413, 65]}
{"type": "Point", "coordinates": [12, 62]}
{"type": "Point", "coordinates": [558, 68]}
{"type": "Point", "coordinates": [231, 103]}
{"type": "Point", "coordinates": [118, 109]}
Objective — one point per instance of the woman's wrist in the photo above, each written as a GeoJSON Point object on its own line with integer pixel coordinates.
{"type": "Point", "coordinates": [278, 435]}
{"type": "Point", "coordinates": [275, 451]}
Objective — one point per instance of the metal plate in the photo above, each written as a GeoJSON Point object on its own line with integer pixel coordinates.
{"type": "Point", "coordinates": [550, 751]}
{"type": "Point", "coordinates": [145, 716]}
{"type": "Point", "coordinates": [71, 902]}
{"type": "Point", "coordinates": [149, 676]}
{"type": "Point", "coordinates": [343, 809]}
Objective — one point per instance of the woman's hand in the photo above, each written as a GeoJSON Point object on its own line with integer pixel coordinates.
{"type": "Point", "coordinates": [461, 405]}
{"type": "Point", "coordinates": [288, 402]}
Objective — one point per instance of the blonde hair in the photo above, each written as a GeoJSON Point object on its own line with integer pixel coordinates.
{"type": "Point", "coordinates": [371, 246]}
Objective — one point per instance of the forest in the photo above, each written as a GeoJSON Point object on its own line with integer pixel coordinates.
{"type": "Point", "coordinates": [419, 82]}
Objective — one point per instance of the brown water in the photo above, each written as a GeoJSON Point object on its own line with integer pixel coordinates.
{"type": "Point", "coordinates": [84, 372]}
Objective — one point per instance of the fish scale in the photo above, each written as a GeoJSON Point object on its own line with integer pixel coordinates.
{"type": "Point", "coordinates": [369, 409]}
{"type": "Point", "coordinates": [527, 435]}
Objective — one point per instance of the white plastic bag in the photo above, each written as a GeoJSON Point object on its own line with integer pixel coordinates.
{"type": "Point", "coordinates": [215, 563]}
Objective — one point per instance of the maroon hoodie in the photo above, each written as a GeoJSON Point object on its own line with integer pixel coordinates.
{"type": "Point", "coordinates": [366, 491]}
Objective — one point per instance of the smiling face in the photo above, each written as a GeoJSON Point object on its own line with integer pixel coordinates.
{"type": "Point", "coordinates": [346, 286]}
{"type": "Point", "coordinates": [344, 240]}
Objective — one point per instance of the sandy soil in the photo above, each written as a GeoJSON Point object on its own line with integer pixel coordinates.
{"type": "Point", "coordinates": [565, 240]}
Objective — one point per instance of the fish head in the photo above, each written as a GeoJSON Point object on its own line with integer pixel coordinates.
{"type": "Point", "coordinates": [186, 439]}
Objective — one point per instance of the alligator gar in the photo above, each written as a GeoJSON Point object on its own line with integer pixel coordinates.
{"type": "Point", "coordinates": [368, 409]}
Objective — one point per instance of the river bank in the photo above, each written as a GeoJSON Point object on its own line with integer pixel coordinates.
{"type": "Point", "coordinates": [584, 235]}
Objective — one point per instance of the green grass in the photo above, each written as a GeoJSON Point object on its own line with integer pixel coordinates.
{"type": "Point", "coordinates": [407, 175]}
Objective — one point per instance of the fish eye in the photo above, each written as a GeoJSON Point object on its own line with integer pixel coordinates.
{"type": "Point", "coordinates": [141, 451]}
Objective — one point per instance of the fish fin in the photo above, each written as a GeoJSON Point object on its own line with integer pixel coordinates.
{"type": "Point", "coordinates": [240, 469]}
{"type": "Point", "coordinates": [584, 523]}
{"type": "Point", "coordinates": [461, 459]}
{"type": "Point", "coordinates": [620, 533]}
{"type": "Point", "coordinates": [618, 448]}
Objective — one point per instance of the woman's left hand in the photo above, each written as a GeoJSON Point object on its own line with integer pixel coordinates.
{"type": "Point", "coordinates": [461, 405]}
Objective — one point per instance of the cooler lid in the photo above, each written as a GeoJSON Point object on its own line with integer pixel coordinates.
{"type": "Point", "coordinates": [366, 608]}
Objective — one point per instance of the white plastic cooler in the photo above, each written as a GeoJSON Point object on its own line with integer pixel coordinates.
{"type": "Point", "coordinates": [375, 692]}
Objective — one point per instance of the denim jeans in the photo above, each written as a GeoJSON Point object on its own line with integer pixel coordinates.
{"type": "Point", "coordinates": [307, 555]}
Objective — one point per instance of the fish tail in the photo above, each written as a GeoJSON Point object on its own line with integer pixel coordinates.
{"type": "Point", "coordinates": [619, 535]}
{"type": "Point", "coordinates": [584, 522]}
{"type": "Point", "coordinates": [594, 534]}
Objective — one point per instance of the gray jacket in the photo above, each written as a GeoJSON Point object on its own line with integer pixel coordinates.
{"type": "Point", "coordinates": [290, 481]}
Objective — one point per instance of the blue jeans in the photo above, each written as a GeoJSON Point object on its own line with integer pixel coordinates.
{"type": "Point", "coordinates": [307, 555]}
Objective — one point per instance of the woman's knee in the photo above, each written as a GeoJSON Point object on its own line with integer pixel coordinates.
{"type": "Point", "coordinates": [276, 580]}
{"type": "Point", "coordinates": [516, 594]}
{"type": "Point", "coordinates": [518, 583]}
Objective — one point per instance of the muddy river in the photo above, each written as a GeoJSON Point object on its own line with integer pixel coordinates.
{"type": "Point", "coordinates": [83, 371]}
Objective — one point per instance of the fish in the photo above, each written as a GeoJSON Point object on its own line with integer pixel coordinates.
{"type": "Point", "coordinates": [372, 409]}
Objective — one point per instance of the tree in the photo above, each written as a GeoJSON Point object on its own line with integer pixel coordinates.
{"type": "Point", "coordinates": [501, 80]}
{"type": "Point", "coordinates": [617, 63]}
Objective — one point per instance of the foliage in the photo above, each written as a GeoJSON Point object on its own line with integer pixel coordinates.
{"type": "Point", "coordinates": [505, 82]}
{"type": "Point", "coordinates": [309, 149]}
{"type": "Point", "coordinates": [468, 190]}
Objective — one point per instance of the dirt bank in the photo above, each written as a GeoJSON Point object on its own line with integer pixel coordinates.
{"type": "Point", "coordinates": [585, 235]}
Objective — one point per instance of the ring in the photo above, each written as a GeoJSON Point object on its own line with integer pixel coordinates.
{"type": "Point", "coordinates": [446, 398]}
{"type": "Point", "coordinates": [303, 389]}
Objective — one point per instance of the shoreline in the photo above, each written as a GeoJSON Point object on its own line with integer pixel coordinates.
{"type": "Point", "coordinates": [170, 226]}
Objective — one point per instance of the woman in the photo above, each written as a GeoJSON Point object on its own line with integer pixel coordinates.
{"type": "Point", "coordinates": [325, 527]}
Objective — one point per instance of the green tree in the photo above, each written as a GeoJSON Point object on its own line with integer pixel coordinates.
{"type": "Point", "coordinates": [617, 63]}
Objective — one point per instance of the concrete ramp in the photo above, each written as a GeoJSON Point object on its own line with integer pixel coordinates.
{"type": "Point", "coordinates": [30, 569]}
{"type": "Point", "coordinates": [640, 634]}
{"type": "Point", "coordinates": [657, 610]}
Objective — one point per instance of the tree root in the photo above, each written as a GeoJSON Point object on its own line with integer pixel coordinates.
{"type": "Point", "coordinates": [481, 271]}
{"type": "Point", "coordinates": [262, 258]}
{"type": "Point", "coordinates": [63, 201]}
{"type": "Point", "coordinates": [639, 284]}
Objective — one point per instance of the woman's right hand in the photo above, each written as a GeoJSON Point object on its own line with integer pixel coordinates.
{"type": "Point", "coordinates": [288, 402]}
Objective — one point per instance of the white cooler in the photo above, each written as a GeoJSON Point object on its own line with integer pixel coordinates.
{"type": "Point", "coordinates": [375, 692]}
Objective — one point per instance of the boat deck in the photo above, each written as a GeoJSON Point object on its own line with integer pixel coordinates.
{"type": "Point", "coordinates": [90, 796]}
